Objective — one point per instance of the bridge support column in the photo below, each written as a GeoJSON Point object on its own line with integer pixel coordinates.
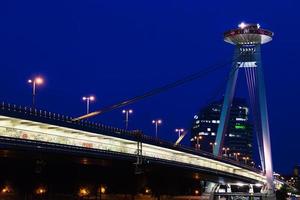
{"type": "Point", "coordinates": [209, 190]}
{"type": "Point", "coordinates": [228, 188]}
{"type": "Point", "coordinates": [139, 155]}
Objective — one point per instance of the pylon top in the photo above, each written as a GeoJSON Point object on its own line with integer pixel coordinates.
{"type": "Point", "coordinates": [248, 34]}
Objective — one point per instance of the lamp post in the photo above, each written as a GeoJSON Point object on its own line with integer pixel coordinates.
{"type": "Point", "coordinates": [212, 145]}
{"type": "Point", "coordinates": [35, 81]}
{"type": "Point", "coordinates": [225, 149]}
{"type": "Point", "coordinates": [179, 131]}
{"type": "Point", "coordinates": [88, 100]}
{"type": "Point", "coordinates": [156, 122]}
{"type": "Point", "coordinates": [197, 139]}
{"type": "Point", "coordinates": [236, 156]}
{"type": "Point", "coordinates": [246, 159]}
{"type": "Point", "coordinates": [127, 112]}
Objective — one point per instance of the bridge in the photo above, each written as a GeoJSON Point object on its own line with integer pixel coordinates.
{"type": "Point", "coordinates": [31, 129]}
{"type": "Point", "coordinates": [25, 127]}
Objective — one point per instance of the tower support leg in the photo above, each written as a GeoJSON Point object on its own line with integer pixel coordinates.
{"type": "Point", "coordinates": [264, 122]}
{"type": "Point", "coordinates": [224, 119]}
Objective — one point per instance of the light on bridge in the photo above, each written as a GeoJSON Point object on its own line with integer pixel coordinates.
{"type": "Point", "coordinates": [88, 100]}
{"type": "Point", "coordinates": [156, 122]}
{"type": "Point", "coordinates": [179, 131]}
{"type": "Point", "coordinates": [35, 81]}
{"type": "Point", "coordinates": [147, 191]}
{"type": "Point", "coordinates": [40, 190]}
{"type": "Point", "coordinates": [6, 189]}
{"type": "Point", "coordinates": [242, 25]}
{"type": "Point", "coordinates": [127, 112]}
{"type": "Point", "coordinates": [240, 184]}
{"type": "Point", "coordinates": [38, 80]}
{"type": "Point", "coordinates": [102, 189]}
{"type": "Point", "coordinates": [83, 192]}
{"type": "Point", "coordinates": [226, 149]}
{"type": "Point", "coordinates": [212, 144]}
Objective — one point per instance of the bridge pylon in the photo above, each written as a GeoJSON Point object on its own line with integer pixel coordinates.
{"type": "Point", "coordinates": [248, 39]}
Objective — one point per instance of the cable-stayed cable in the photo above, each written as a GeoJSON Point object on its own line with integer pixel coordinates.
{"type": "Point", "coordinates": [158, 90]}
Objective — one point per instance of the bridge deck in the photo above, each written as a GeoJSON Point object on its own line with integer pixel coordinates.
{"type": "Point", "coordinates": [35, 125]}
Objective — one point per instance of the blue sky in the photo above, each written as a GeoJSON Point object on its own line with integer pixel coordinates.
{"type": "Point", "coordinates": [118, 49]}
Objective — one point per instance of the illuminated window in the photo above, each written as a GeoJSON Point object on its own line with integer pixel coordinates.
{"type": "Point", "coordinates": [202, 133]}
{"type": "Point", "coordinates": [238, 126]}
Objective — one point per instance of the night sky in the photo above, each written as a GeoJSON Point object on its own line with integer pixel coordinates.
{"type": "Point", "coordinates": [117, 49]}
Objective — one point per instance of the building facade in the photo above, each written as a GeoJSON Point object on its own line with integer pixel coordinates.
{"type": "Point", "coordinates": [238, 142]}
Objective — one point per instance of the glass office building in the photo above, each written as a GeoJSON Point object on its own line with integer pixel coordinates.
{"type": "Point", "coordinates": [238, 142]}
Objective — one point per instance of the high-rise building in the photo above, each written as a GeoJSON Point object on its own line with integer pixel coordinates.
{"type": "Point", "coordinates": [239, 135]}
{"type": "Point", "coordinates": [297, 176]}
{"type": "Point", "coordinates": [297, 171]}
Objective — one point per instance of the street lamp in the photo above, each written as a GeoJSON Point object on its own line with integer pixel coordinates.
{"type": "Point", "coordinates": [212, 145]}
{"type": "Point", "coordinates": [127, 112]}
{"type": "Point", "coordinates": [156, 122]}
{"type": "Point", "coordinates": [88, 100]}
{"type": "Point", "coordinates": [236, 155]}
{"type": "Point", "coordinates": [197, 139]}
{"type": "Point", "coordinates": [225, 150]}
{"type": "Point", "coordinates": [179, 131]}
{"type": "Point", "coordinates": [35, 81]}
{"type": "Point", "coordinates": [246, 159]}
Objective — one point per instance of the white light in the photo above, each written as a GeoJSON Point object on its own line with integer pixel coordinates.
{"type": "Point", "coordinates": [39, 80]}
{"type": "Point", "coordinates": [240, 184]}
{"type": "Point", "coordinates": [123, 111]}
{"type": "Point", "coordinates": [258, 26]}
{"type": "Point", "coordinates": [158, 121]}
{"type": "Point", "coordinates": [130, 111]}
{"type": "Point", "coordinates": [242, 25]}
{"type": "Point", "coordinates": [258, 184]}
{"type": "Point", "coordinates": [92, 98]}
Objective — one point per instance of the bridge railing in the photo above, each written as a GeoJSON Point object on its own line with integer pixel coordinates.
{"type": "Point", "coordinates": [39, 115]}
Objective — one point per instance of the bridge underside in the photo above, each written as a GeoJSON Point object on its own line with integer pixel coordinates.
{"type": "Point", "coordinates": [63, 172]}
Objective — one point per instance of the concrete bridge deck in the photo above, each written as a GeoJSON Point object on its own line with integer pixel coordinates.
{"type": "Point", "coordinates": [35, 127]}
